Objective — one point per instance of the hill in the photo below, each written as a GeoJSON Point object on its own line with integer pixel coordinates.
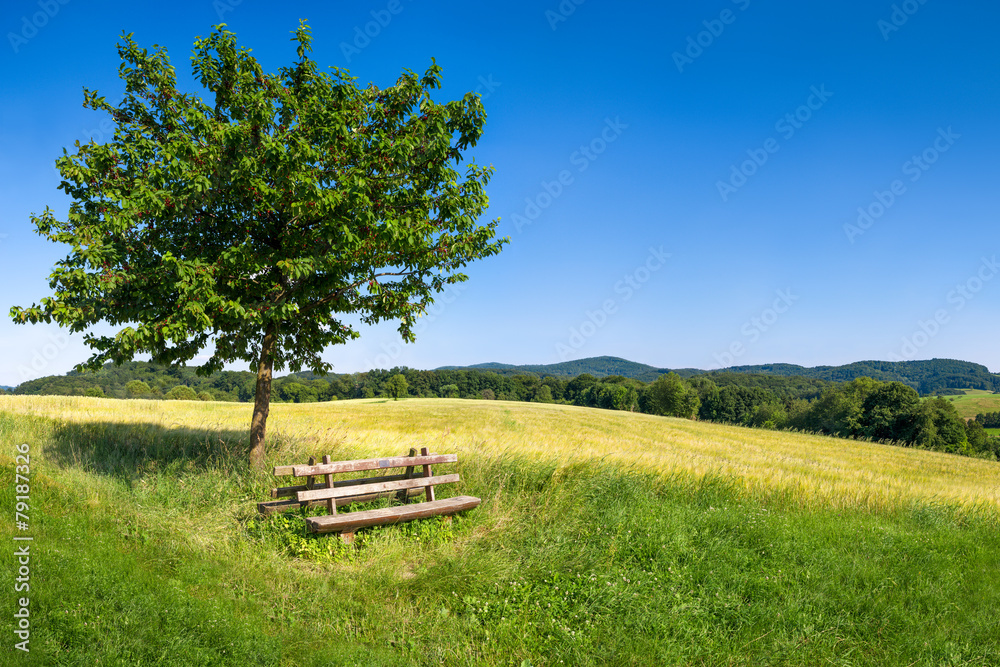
{"type": "Point", "coordinates": [603, 538]}
{"type": "Point", "coordinates": [599, 367]}
{"type": "Point", "coordinates": [926, 376]}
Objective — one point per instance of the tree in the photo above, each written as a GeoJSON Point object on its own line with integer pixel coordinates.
{"type": "Point", "coordinates": [669, 396]}
{"type": "Point", "coordinates": [888, 412]}
{"type": "Point", "coordinates": [396, 387]}
{"type": "Point", "coordinates": [255, 221]}
{"type": "Point", "coordinates": [136, 388]}
{"type": "Point", "coordinates": [182, 393]}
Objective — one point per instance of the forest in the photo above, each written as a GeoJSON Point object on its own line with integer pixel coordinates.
{"type": "Point", "coordinates": [862, 408]}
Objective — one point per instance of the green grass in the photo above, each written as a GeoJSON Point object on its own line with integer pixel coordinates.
{"type": "Point", "coordinates": [975, 401]}
{"type": "Point", "coordinates": [148, 551]}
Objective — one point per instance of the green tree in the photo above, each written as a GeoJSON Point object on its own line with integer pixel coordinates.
{"type": "Point", "coordinates": [670, 396]}
{"type": "Point", "coordinates": [182, 393]}
{"type": "Point", "coordinates": [96, 391]}
{"type": "Point", "coordinates": [258, 219]}
{"type": "Point", "coordinates": [396, 387]}
{"type": "Point", "coordinates": [136, 388]}
{"type": "Point", "coordinates": [205, 396]}
{"type": "Point", "coordinates": [543, 394]}
{"type": "Point", "coordinates": [888, 412]}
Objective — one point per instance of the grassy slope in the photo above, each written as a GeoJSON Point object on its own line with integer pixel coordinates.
{"type": "Point", "coordinates": [603, 538]}
{"type": "Point", "coordinates": [975, 401]}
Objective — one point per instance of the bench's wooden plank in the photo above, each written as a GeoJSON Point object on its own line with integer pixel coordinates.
{"type": "Point", "coordinates": [281, 471]}
{"type": "Point", "coordinates": [273, 506]}
{"type": "Point", "coordinates": [417, 482]}
{"type": "Point", "coordinates": [371, 464]}
{"type": "Point", "coordinates": [349, 522]}
{"type": "Point", "coordinates": [287, 491]}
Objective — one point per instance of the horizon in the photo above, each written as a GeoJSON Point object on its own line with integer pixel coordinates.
{"type": "Point", "coordinates": [476, 366]}
{"type": "Point", "coordinates": [711, 185]}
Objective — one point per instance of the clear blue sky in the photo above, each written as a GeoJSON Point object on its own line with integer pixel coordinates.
{"type": "Point", "coordinates": [738, 137]}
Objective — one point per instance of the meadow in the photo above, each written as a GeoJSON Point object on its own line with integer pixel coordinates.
{"type": "Point", "coordinates": [604, 538]}
{"type": "Point", "coordinates": [975, 401]}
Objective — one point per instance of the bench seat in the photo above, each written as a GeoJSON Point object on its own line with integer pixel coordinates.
{"type": "Point", "coordinates": [348, 523]}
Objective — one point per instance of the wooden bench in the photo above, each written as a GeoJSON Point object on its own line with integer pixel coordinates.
{"type": "Point", "coordinates": [333, 494]}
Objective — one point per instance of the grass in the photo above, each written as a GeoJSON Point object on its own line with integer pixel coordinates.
{"type": "Point", "coordinates": [603, 538]}
{"type": "Point", "coordinates": [975, 401]}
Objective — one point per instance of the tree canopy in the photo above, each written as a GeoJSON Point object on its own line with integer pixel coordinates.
{"type": "Point", "coordinates": [254, 221]}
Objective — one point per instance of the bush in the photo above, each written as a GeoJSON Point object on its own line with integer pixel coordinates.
{"type": "Point", "coordinates": [96, 392]}
{"type": "Point", "coordinates": [137, 388]}
{"type": "Point", "coordinates": [206, 396]}
{"type": "Point", "coordinates": [182, 393]}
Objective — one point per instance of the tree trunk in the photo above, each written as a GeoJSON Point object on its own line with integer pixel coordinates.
{"type": "Point", "coordinates": [262, 396]}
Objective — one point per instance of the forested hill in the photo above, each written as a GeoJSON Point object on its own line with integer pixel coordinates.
{"type": "Point", "coordinates": [927, 377]}
{"type": "Point", "coordinates": [599, 367]}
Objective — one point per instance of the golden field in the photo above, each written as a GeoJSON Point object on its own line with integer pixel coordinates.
{"type": "Point", "coordinates": [812, 469]}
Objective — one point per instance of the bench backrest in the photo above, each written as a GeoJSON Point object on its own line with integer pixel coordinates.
{"type": "Point", "coordinates": [341, 492]}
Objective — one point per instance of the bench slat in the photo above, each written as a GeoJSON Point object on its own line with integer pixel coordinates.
{"type": "Point", "coordinates": [274, 506]}
{"type": "Point", "coordinates": [287, 491]}
{"type": "Point", "coordinates": [416, 482]}
{"type": "Point", "coordinates": [349, 522]}
{"type": "Point", "coordinates": [366, 464]}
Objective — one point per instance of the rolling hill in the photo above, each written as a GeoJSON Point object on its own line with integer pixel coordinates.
{"type": "Point", "coordinates": [927, 376]}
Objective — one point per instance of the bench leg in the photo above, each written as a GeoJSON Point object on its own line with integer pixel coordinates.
{"type": "Point", "coordinates": [347, 538]}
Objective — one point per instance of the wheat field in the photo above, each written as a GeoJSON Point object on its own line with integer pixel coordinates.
{"type": "Point", "coordinates": [814, 470]}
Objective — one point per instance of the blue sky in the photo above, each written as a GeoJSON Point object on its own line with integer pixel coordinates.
{"type": "Point", "coordinates": [691, 184]}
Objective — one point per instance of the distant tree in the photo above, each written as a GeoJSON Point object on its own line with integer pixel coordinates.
{"type": "Point", "coordinates": [97, 392]}
{"type": "Point", "coordinates": [487, 395]}
{"type": "Point", "coordinates": [262, 221]}
{"type": "Point", "coordinates": [396, 387]}
{"type": "Point", "coordinates": [136, 388]}
{"type": "Point", "coordinates": [888, 412]}
{"type": "Point", "coordinates": [449, 391]}
{"type": "Point", "coordinates": [576, 387]}
{"type": "Point", "coordinates": [938, 426]}
{"type": "Point", "coordinates": [182, 393]}
{"type": "Point", "coordinates": [976, 436]}
{"type": "Point", "coordinates": [669, 395]}
{"type": "Point", "coordinates": [543, 394]}
{"type": "Point", "coordinates": [205, 396]}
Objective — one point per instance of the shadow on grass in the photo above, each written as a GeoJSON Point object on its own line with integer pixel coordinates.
{"type": "Point", "coordinates": [128, 451]}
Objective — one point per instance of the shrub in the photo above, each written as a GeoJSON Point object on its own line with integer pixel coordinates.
{"type": "Point", "coordinates": [182, 393]}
